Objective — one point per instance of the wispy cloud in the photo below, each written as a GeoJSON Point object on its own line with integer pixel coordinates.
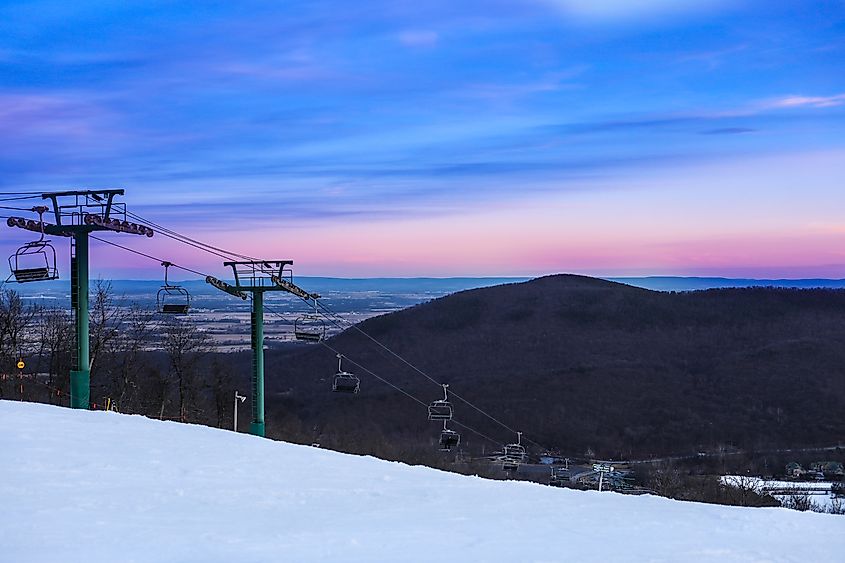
{"type": "Point", "coordinates": [728, 131]}
{"type": "Point", "coordinates": [620, 10]}
{"type": "Point", "coordinates": [807, 101]}
{"type": "Point", "coordinates": [418, 37]}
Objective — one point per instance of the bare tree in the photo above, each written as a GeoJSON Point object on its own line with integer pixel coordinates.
{"type": "Point", "coordinates": [184, 345]}
{"type": "Point", "coordinates": [105, 320]}
{"type": "Point", "coordinates": [799, 501]}
{"type": "Point", "coordinates": [666, 480]}
{"type": "Point", "coordinates": [131, 361]}
{"type": "Point", "coordinates": [222, 390]}
{"type": "Point", "coordinates": [15, 320]}
{"type": "Point", "coordinates": [56, 340]}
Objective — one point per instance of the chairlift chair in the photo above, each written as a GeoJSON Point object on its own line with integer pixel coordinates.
{"type": "Point", "coordinates": [310, 327]}
{"type": "Point", "coordinates": [441, 409]}
{"type": "Point", "coordinates": [513, 454]}
{"type": "Point", "coordinates": [509, 464]}
{"type": "Point", "coordinates": [35, 261]}
{"type": "Point", "coordinates": [448, 439]}
{"type": "Point", "coordinates": [345, 382]}
{"type": "Point", "coordinates": [172, 299]}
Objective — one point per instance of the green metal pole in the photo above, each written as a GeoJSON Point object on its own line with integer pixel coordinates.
{"type": "Point", "coordinates": [80, 378]}
{"type": "Point", "coordinates": [256, 427]}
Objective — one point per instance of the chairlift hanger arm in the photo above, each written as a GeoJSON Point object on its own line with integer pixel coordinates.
{"type": "Point", "coordinates": [225, 287]}
{"type": "Point", "coordinates": [291, 287]}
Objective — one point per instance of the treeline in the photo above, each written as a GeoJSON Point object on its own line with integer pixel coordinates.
{"type": "Point", "coordinates": [159, 366]}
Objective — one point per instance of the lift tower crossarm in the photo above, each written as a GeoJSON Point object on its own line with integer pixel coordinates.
{"type": "Point", "coordinates": [96, 195]}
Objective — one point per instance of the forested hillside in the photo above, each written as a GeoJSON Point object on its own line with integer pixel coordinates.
{"type": "Point", "coordinates": [583, 364]}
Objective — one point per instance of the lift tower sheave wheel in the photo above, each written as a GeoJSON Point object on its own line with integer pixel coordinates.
{"type": "Point", "coordinates": [257, 277]}
{"type": "Point", "coordinates": [77, 214]}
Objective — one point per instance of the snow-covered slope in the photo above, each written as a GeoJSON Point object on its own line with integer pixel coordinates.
{"type": "Point", "coordinates": [95, 486]}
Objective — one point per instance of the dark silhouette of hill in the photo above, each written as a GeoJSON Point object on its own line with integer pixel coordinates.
{"type": "Point", "coordinates": [583, 364]}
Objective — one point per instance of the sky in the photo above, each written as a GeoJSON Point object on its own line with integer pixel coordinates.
{"type": "Point", "coordinates": [441, 138]}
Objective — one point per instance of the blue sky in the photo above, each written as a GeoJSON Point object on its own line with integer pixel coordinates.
{"type": "Point", "coordinates": [342, 133]}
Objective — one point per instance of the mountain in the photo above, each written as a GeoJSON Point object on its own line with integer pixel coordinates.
{"type": "Point", "coordinates": [583, 365]}
{"type": "Point", "coordinates": [97, 486]}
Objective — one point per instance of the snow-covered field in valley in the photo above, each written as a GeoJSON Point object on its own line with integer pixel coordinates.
{"type": "Point", "coordinates": [818, 492]}
{"type": "Point", "coordinates": [78, 486]}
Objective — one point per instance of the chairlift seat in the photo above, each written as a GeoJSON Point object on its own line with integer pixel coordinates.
{"type": "Point", "coordinates": [345, 382]}
{"type": "Point", "coordinates": [449, 439]}
{"type": "Point", "coordinates": [34, 261]}
{"type": "Point", "coordinates": [309, 328]}
{"type": "Point", "coordinates": [173, 300]}
{"type": "Point", "coordinates": [509, 464]}
{"type": "Point", "coordinates": [515, 451]}
{"type": "Point", "coordinates": [440, 410]}
{"type": "Point", "coordinates": [32, 274]}
{"type": "Point", "coordinates": [175, 309]}
{"type": "Point", "coordinates": [308, 336]}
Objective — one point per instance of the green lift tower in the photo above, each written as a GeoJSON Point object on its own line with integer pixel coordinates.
{"type": "Point", "coordinates": [257, 277]}
{"type": "Point", "coordinates": [77, 214]}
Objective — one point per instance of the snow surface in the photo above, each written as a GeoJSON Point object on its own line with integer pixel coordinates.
{"type": "Point", "coordinates": [102, 487]}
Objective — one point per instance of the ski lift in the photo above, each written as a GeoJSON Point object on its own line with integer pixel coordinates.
{"type": "Point", "coordinates": [172, 299]}
{"type": "Point", "coordinates": [513, 454]}
{"type": "Point", "coordinates": [310, 327]}
{"type": "Point", "coordinates": [448, 439]}
{"type": "Point", "coordinates": [441, 409]}
{"type": "Point", "coordinates": [345, 382]}
{"type": "Point", "coordinates": [35, 261]}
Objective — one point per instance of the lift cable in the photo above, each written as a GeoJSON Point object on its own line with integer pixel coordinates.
{"type": "Point", "coordinates": [223, 253]}
{"type": "Point", "coordinates": [139, 253]}
{"type": "Point", "coordinates": [15, 197]}
{"type": "Point", "coordinates": [397, 388]}
{"type": "Point", "coordinates": [228, 254]}
{"type": "Point", "coordinates": [424, 404]}
{"type": "Point", "coordinates": [323, 342]}
{"type": "Point", "coordinates": [452, 393]}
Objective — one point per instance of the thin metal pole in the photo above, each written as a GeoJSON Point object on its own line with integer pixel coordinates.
{"type": "Point", "coordinates": [80, 378]}
{"type": "Point", "coordinates": [240, 398]}
{"type": "Point", "coordinates": [256, 427]}
{"type": "Point", "coordinates": [601, 479]}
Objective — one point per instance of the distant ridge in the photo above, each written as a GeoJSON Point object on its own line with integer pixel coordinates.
{"type": "Point", "coordinates": [450, 285]}
{"type": "Point", "coordinates": [679, 283]}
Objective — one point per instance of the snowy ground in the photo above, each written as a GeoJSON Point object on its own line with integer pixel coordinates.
{"type": "Point", "coordinates": [101, 487]}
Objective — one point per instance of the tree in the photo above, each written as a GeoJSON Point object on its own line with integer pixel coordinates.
{"type": "Point", "coordinates": [56, 337]}
{"type": "Point", "coordinates": [138, 328]}
{"type": "Point", "coordinates": [104, 319]}
{"type": "Point", "coordinates": [185, 345]}
{"type": "Point", "coordinates": [15, 320]}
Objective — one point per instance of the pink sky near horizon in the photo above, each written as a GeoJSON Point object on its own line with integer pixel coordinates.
{"type": "Point", "coordinates": [754, 224]}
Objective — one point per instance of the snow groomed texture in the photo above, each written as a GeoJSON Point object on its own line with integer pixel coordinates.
{"type": "Point", "coordinates": [103, 487]}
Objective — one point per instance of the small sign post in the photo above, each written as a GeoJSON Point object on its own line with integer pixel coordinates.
{"type": "Point", "coordinates": [602, 468]}
{"type": "Point", "coordinates": [240, 398]}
